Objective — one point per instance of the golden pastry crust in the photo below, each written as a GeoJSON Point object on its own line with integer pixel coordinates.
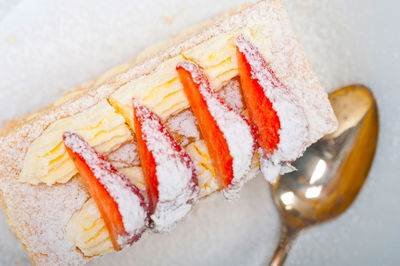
{"type": "Point", "coordinates": [34, 211]}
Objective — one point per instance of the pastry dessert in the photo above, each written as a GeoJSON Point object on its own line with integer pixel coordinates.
{"type": "Point", "coordinates": [134, 150]}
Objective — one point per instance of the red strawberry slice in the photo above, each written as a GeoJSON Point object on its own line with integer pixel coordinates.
{"type": "Point", "coordinates": [226, 133]}
{"type": "Point", "coordinates": [277, 117]}
{"type": "Point", "coordinates": [169, 172]}
{"type": "Point", "coordinates": [120, 202]}
{"type": "Point", "coordinates": [261, 112]}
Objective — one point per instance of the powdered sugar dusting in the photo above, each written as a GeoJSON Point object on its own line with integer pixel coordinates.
{"type": "Point", "coordinates": [269, 169]}
{"type": "Point", "coordinates": [46, 224]}
{"type": "Point", "coordinates": [177, 181]}
{"type": "Point", "coordinates": [231, 95]}
{"type": "Point", "coordinates": [185, 125]}
{"type": "Point", "coordinates": [294, 124]}
{"type": "Point", "coordinates": [129, 199]}
{"type": "Point", "coordinates": [235, 128]}
{"type": "Point", "coordinates": [125, 156]}
{"type": "Point", "coordinates": [35, 210]}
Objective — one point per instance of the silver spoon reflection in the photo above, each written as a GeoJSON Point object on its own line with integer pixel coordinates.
{"type": "Point", "coordinates": [331, 172]}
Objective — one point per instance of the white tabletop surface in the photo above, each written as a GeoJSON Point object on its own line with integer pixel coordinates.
{"type": "Point", "coordinates": [47, 47]}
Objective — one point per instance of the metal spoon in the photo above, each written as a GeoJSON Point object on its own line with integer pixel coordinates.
{"type": "Point", "coordinates": [331, 172]}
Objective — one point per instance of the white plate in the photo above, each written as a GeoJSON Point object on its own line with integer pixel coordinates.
{"type": "Point", "coordinates": [49, 46]}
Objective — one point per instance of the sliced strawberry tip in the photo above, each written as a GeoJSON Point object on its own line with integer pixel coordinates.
{"type": "Point", "coordinates": [147, 159]}
{"type": "Point", "coordinates": [168, 170]}
{"type": "Point", "coordinates": [227, 134]}
{"type": "Point", "coordinates": [120, 202]}
{"type": "Point", "coordinates": [280, 122]}
{"type": "Point", "coordinates": [263, 117]}
{"type": "Point", "coordinates": [212, 134]}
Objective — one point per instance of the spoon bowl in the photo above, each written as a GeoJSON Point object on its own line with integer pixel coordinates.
{"type": "Point", "coordinates": [332, 171]}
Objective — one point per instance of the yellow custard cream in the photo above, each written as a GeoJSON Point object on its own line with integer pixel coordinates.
{"type": "Point", "coordinates": [204, 168]}
{"type": "Point", "coordinates": [88, 231]}
{"type": "Point", "coordinates": [47, 160]}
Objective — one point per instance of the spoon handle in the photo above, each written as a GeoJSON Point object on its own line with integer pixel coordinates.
{"type": "Point", "coordinates": [287, 238]}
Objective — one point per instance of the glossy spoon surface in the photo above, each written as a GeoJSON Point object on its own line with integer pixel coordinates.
{"type": "Point", "coordinates": [332, 171]}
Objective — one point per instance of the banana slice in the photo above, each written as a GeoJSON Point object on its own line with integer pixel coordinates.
{"type": "Point", "coordinates": [47, 160]}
